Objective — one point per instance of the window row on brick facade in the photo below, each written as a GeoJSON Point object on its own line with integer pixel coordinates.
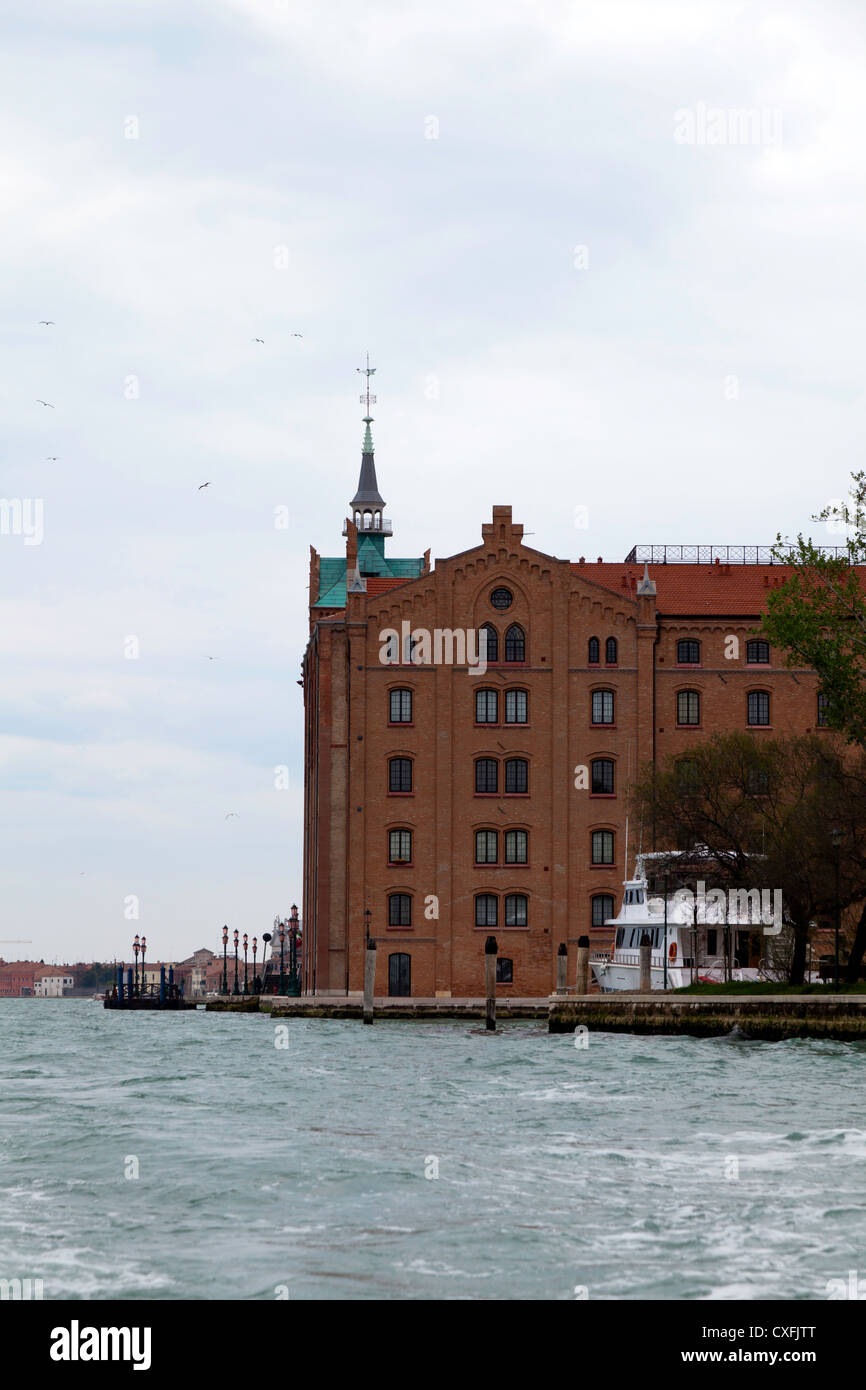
{"type": "Point", "coordinates": [514, 846]}
{"type": "Point", "coordinates": [689, 652]}
{"type": "Point", "coordinates": [514, 706]}
{"type": "Point", "coordinates": [511, 775]}
{"type": "Point", "coordinates": [491, 909]}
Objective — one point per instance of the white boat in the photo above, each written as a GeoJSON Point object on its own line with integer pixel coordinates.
{"type": "Point", "coordinates": [693, 951]}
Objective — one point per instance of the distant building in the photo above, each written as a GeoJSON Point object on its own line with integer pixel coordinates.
{"type": "Point", "coordinates": [52, 981]}
{"type": "Point", "coordinates": [195, 972]}
{"type": "Point", "coordinates": [16, 979]}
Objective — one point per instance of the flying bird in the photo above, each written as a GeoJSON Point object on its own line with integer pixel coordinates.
{"type": "Point", "coordinates": [232, 813]}
{"type": "Point", "coordinates": [257, 340]}
{"type": "Point", "coordinates": [201, 485]}
{"type": "Point", "coordinates": [211, 658]}
{"type": "Point", "coordinates": [52, 458]}
{"type": "Point", "coordinates": [297, 335]}
{"type": "Point", "coordinates": [48, 403]}
{"type": "Point", "coordinates": [49, 323]}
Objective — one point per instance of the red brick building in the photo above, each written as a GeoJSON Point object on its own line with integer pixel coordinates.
{"type": "Point", "coordinates": [451, 804]}
{"type": "Point", "coordinates": [16, 978]}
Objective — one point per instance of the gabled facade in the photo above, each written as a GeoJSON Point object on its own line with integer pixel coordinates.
{"type": "Point", "coordinates": [451, 803]}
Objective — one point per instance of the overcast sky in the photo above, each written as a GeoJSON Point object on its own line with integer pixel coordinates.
{"type": "Point", "coordinates": [575, 296]}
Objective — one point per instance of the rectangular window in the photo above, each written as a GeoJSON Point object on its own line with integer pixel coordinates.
{"type": "Point", "coordinates": [486, 707]}
{"type": "Point", "coordinates": [688, 707]}
{"type": "Point", "coordinates": [486, 851]}
{"type": "Point", "coordinates": [602, 707]}
{"type": "Point", "coordinates": [688, 653]}
{"type": "Point", "coordinates": [400, 711]}
{"type": "Point", "coordinates": [516, 846]}
{"type": "Point", "coordinates": [602, 846]}
{"type": "Point", "coordinates": [758, 707]}
{"type": "Point", "coordinates": [517, 776]}
{"type": "Point", "coordinates": [486, 910]}
{"type": "Point", "coordinates": [504, 971]}
{"type": "Point", "coordinates": [602, 909]}
{"type": "Point", "coordinates": [516, 910]}
{"type": "Point", "coordinates": [515, 706]}
{"type": "Point", "coordinates": [712, 941]}
{"type": "Point", "coordinates": [823, 710]}
{"type": "Point", "coordinates": [400, 847]}
{"type": "Point", "coordinates": [400, 775]}
{"type": "Point", "coordinates": [486, 775]}
{"type": "Point", "coordinates": [602, 777]}
{"type": "Point", "coordinates": [399, 910]}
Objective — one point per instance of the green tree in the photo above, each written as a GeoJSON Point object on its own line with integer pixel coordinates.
{"type": "Point", "coordinates": [775, 814]}
{"type": "Point", "coordinates": [818, 616]}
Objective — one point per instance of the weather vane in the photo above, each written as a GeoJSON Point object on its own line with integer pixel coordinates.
{"type": "Point", "coordinates": [367, 399]}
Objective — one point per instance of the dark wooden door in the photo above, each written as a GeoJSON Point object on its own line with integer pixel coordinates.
{"type": "Point", "coordinates": [399, 974]}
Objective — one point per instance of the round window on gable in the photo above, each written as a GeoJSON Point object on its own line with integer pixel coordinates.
{"type": "Point", "coordinates": [501, 598]}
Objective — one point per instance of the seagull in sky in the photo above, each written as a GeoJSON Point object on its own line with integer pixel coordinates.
{"type": "Point", "coordinates": [211, 658]}
{"type": "Point", "coordinates": [232, 813]}
{"type": "Point", "coordinates": [48, 403]}
{"type": "Point", "coordinates": [49, 323]}
{"type": "Point", "coordinates": [297, 335]}
{"type": "Point", "coordinates": [201, 485]}
{"type": "Point", "coordinates": [257, 340]}
{"type": "Point", "coordinates": [52, 458]}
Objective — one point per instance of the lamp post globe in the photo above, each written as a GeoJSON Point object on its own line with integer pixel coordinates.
{"type": "Point", "coordinates": [225, 988]}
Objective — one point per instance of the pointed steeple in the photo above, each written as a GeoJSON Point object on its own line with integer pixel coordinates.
{"type": "Point", "coordinates": [368, 502]}
{"type": "Point", "coordinates": [647, 585]}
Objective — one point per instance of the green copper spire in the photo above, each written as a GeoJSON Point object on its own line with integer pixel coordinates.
{"type": "Point", "coordinates": [368, 438]}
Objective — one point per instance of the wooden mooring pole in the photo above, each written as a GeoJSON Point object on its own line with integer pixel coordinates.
{"type": "Point", "coordinates": [490, 949]}
{"type": "Point", "coordinates": [561, 968]}
{"type": "Point", "coordinates": [583, 965]}
{"type": "Point", "coordinates": [369, 978]}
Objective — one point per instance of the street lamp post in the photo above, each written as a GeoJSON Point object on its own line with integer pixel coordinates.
{"type": "Point", "coordinates": [246, 987]}
{"type": "Point", "coordinates": [136, 948]}
{"type": "Point", "coordinates": [282, 988]}
{"type": "Point", "coordinates": [143, 976]}
{"type": "Point", "coordinates": [256, 987]}
{"type": "Point", "coordinates": [225, 988]}
{"type": "Point", "coordinates": [266, 937]}
{"type": "Point", "coordinates": [236, 990]}
{"type": "Point", "coordinates": [294, 985]}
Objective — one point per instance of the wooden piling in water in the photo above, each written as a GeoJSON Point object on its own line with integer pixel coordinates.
{"type": "Point", "coordinates": [646, 981]}
{"type": "Point", "coordinates": [369, 978]}
{"type": "Point", "coordinates": [561, 968]}
{"type": "Point", "coordinates": [490, 950]}
{"type": "Point", "coordinates": [583, 965]}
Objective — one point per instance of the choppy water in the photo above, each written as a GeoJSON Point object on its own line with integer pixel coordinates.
{"type": "Point", "coordinates": [304, 1167]}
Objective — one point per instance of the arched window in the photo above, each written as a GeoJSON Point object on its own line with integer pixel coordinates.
{"type": "Point", "coordinates": [610, 651]}
{"type": "Point", "coordinates": [516, 706]}
{"type": "Point", "coordinates": [602, 776]}
{"type": "Point", "coordinates": [602, 846]}
{"type": "Point", "coordinates": [687, 773]}
{"type": "Point", "coordinates": [400, 775]}
{"type": "Point", "coordinates": [486, 707]}
{"type": "Point", "coordinates": [486, 910]}
{"type": "Point", "coordinates": [399, 910]}
{"type": "Point", "coordinates": [368, 520]}
{"type": "Point", "coordinates": [486, 775]}
{"type": "Point", "coordinates": [400, 707]}
{"type": "Point", "coordinates": [516, 847]}
{"type": "Point", "coordinates": [593, 652]}
{"type": "Point", "coordinates": [688, 653]}
{"type": "Point", "coordinates": [602, 908]}
{"type": "Point", "coordinates": [358, 520]}
{"type": "Point", "coordinates": [757, 653]}
{"type": "Point", "coordinates": [399, 846]}
{"type": "Point", "coordinates": [688, 707]}
{"type": "Point", "coordinates": [504, 971]}
{"type": "Point", "coordinates": [515, 643]}
{"type": "Point", "coordinates": [377, 521]}
{"type": "Point", "coordinates": [516, 777]}
{"type": "Point", "coordinates": [516, 905]}
{"type": "Point", "coordinates": [486, 847]}
{"type": "Point", "coordinates": [602, 707]}
{"type": "Point", "coordinates": [488, 632]}
{"type": "Point", "coordinates": [758, 707]}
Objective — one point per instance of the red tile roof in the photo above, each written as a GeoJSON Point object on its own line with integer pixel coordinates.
{"type": "Point", "coordinates": [379, 584]}
{"type": "Point", "coordinates": [725, 590]}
